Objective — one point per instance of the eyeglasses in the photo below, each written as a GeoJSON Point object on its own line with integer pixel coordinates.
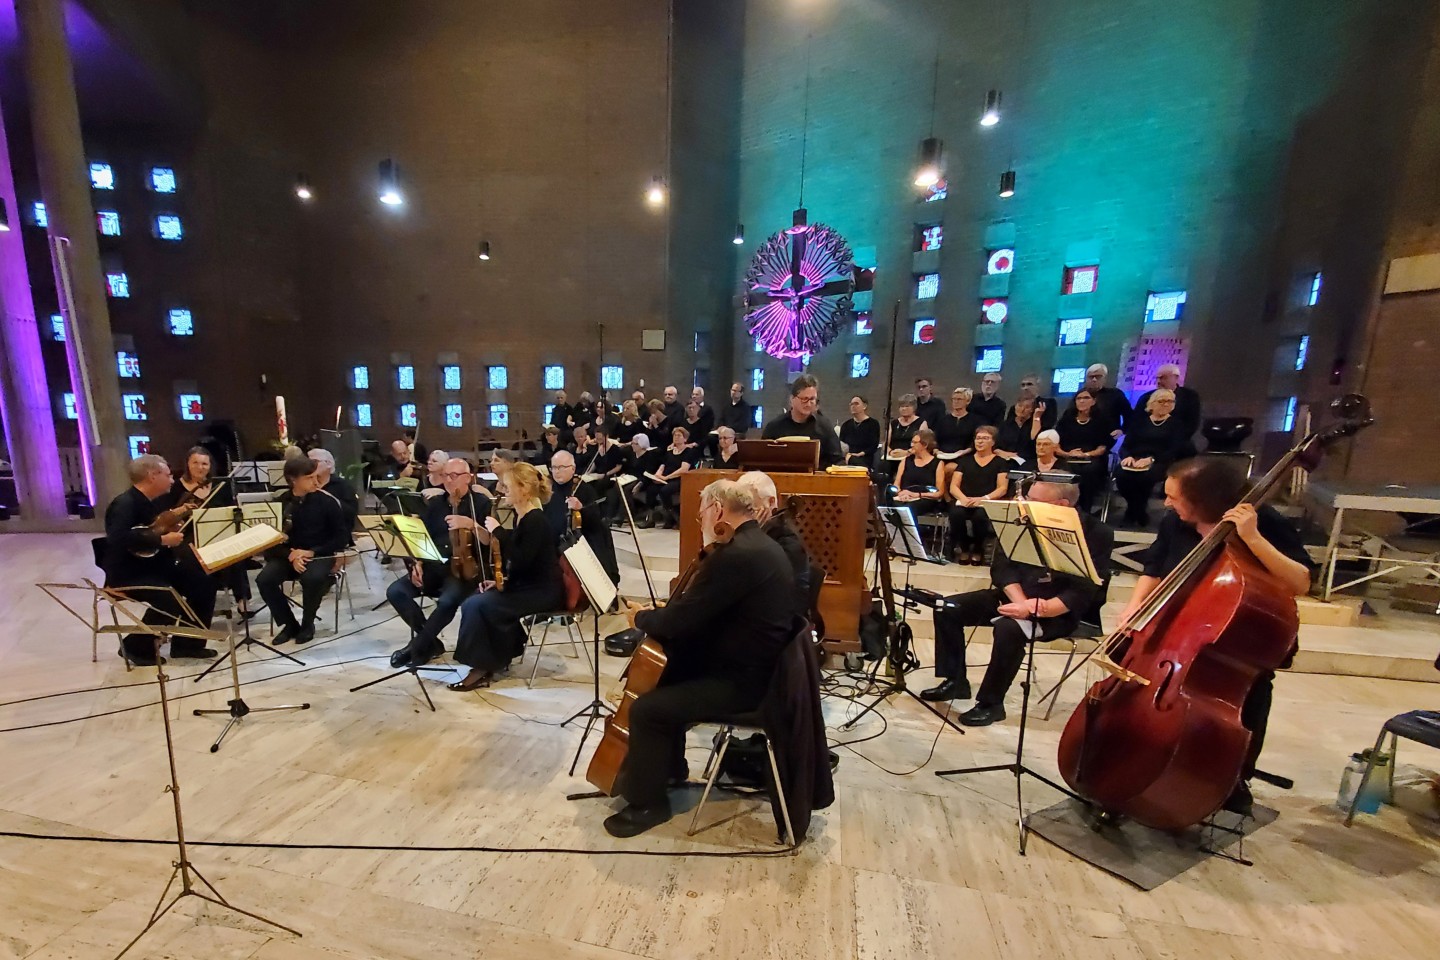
{"type": "Point", "coordinates": [804, 399]}
{"type": "Point", "coordinates": [456, 476]}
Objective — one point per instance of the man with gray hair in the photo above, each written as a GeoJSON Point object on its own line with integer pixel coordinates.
{"type": "Point", "coordinates": [1110, 403]}
{"type": "Point", "coordinates": [141, 562]}
{"type": "Point", "coordinates": [777, 527]}
{"type": "Point", "coordinates": [336, 485]}
{"type": "Point", "coordinates": [723, 636]}
{"type": "Point", "coordinates": [1187, 404]}
{"type": "Point", "coordinates": [1024, 603]}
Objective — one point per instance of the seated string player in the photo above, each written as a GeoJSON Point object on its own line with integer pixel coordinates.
{"type": "Point", "coordinates": [137, 555]}
{"type": "Point", "coordinates": [777, 527]}
{"type": "Point", "coordinates": [457, 509]}
{"type": "Point", "coordinates": [316, 531]}
{"type": "Point", "coordinates": [1024, 598]}
{"type": "Point", "coordinates": [570, 495]}
{"type": "Point", "coordinates": [337, 486]}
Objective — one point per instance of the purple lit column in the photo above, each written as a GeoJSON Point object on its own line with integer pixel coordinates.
{"type": "Point", "coordinates": [24, 396]}
{"type": "Point", "coordinates": [75, 253]}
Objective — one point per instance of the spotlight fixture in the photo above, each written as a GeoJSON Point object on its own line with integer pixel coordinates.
{"type": "Point", "coordinates": [932, 155]}
{"type": "Point", "coordinates": [739, 234]}
{"type": "Point", "coordinates": [5, 217]}
{"type": "Point", "coordinates": [484, 250]}
{"type": "Point", "coordinates": [302, 188]}
{"type": "Point", "coordinates": [1007, 183]}
{"type": "Point", "coordinates": [991, 114]}
{"type": "Point", "coordinates": [655, 196]}
{"type": "Point", "coordinates": [390, 194]}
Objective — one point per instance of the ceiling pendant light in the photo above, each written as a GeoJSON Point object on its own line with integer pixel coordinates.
{"type": "Point", "coordinates": [302, 188]}
{"type": "Point", "coordinates": [932, 156]}
{"type": "Point", "coordinates": [739, 234]}
{"type": "Point", "coordinates": [390, 194]}
{"type": "Point", "coordinates": [991, 114]}
{"type": "Point", "coordinates": [484, 250]}
{"type": "Point", "coordinates": [655, 196]}
{"type": "Point", "coordinates": [1007, 183]}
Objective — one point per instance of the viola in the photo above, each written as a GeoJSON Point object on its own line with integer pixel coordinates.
{"type": "Point", "coordinates": [1160, 739]}
{"type": "Point", "coordinates": [167, 521]}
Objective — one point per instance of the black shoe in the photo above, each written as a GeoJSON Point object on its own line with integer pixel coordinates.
{"type": "Point", "coordinates": [633, 820]}
{"type": "Point", "coordinates": [1241, 801]}
{"type": "Point", "coordinates": [400, 658]}
{"type": "Point", "coordinates": [947, 690]}
{"type": "Point", "coordinates": [286, 634]}
{"type": "Point", "coordinates": [195, 653]}
{"type": "Point", "coordinates": [646, 521]}
{"type": "Point", "coordinates": [141, 659]}
{"type": "Point", "coordinates": [982, 716]}
{"type": "Point", "coordinates": [305, 634]}
{"type": "Point", "coordinates": [420, 659]}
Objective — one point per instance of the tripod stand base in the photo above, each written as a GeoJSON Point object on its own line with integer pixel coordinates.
{"type": "Point", "coordinates": [414, 672]}
{"type": "Point", "coordinates": [182, 869]}
{"type": "Point", "coordinates": [593, 711]}
{"type": "Point", "coordinates": [237, 710]}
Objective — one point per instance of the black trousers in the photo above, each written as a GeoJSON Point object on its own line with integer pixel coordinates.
{"type": "Point", "coordinates": [1136, 486]}
{"type": "Point", "coordinates": [490, 632]}
{"type": "Point", "coordinates": [313, 584]}
{"type": "Point", "coordinates": [1255, 715]}
{"type": "Point", "coordinates": [448, 591]}
{"type": "Point", "coordinates": [658, 721]}
{"type": "Point", "coordinates": [969, 528]}
{"type": "Point", "coordinates": [1091, 477]}
{"type": "Point", "coordinates": [1007, 649]}
{"type": "Point", "coordinates": [191, 583]}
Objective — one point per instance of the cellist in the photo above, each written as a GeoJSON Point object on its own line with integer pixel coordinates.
{"type": "Point", "coordinates": [1200, 494]}
{"type": "Point", "coordinates": [723, 636]}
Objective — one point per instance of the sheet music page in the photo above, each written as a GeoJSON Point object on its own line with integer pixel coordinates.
{"type": "Point", "coordinates": [239, 546]}
{"type": "Point", "coordinates": [267, 511]}
{"type": "Point", "coordinates": [592, 576]}
{"type": "Point", "coordinates": [417, 539]}
{"type": "Point", "coordinates": [385, 541]}
{"type": "Point", "coordinates": [1062, 539]}
{"type": "Point", "coordinates": [212, 523]}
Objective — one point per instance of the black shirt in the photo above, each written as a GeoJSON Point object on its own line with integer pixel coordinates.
{"type": "Point", "coordinates": [1075, 435]}
{"type": "Point", "coordinates": [1110, 404]}
{"type": "Point", "coordinates": [977, 479]}
{"type": "Point", "coordinates": [738, 416]}
{"type": "Point", "coordinates": [1015, 438]}
{"type": "Point", "coordinates": [438, 508]}
{"type": "Point", "coordinates": [315, 522]}
{"type": "Point", "coordinates": [625, 432]}
{"type": "Point", "coordinates": [1174, 539]}
{"type": "Point", "coordinates": [530, 553]}
{"type": "Point", "coordinates": [1187, 409]}
{"type": "Point", "coordinates": [902, 433]}
{"type": "Point", "coordinates": [720, 463]}
{"type": "Point", "coordinates": [862, 439]}
{"type": "Point", "coordinates": [703, 425]}
{"type": "Point", "coordinates": [918, 478]}
{"type": "Point", "coordinates": [613, 459]}
{"type": "Point", "coordinates": [127, 529]}
{"type": "Point", "coordinates": [930, 411]}
{"type": "Point", "coordinates": [1040, 584]}
{"type": "Point", "coordinates": [670, 461]}
{"type": "Point", "coordinates": [1047, 418]}
{"type": "Point", "coordinates": [1146, 438]}
{"type": "Point", "coordinates": [991, 411]}
{"type": "Point", "coordinates": [815, 427]}
{"type": "Point", "coordinates": [953, 434]}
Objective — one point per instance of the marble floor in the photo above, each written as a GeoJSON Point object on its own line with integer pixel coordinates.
{"type": "Point", "coordinates": [904, 864]}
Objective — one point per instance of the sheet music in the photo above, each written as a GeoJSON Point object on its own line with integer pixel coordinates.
{"type": "Point", "coordinates": [1059, 541]}
{"type": "Point", "coordinates": [385, 539]}
{"type": "Point", "coordinates": [412, 531]}
{"type": "Point", "coordinates": [593, 578]}
{"type": "Point", "coordinates": [239, 546]}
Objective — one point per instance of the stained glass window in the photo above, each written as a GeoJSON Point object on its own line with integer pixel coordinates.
{"type": "Point", "coordinates": [549, 412]}
{"type": "Point", "coordinates": [859, 365]}
{"type": "Point", "coordinates": [758, 347]}
{"type": "Point", "coordinates": [405, 377]}
{"type": "Point", "coordinates": [1080, 279]}
{"type": "Point", "coordinates": [362, 415]}
{"type": "Point", "coordinates": [1287, 422]}
{"type": "Point", "coordinates": [994, 310]}
{"type": "Point", "coordinates": [612, 378]}
{"type": "Point", "coordinates": [989, 359]}
{"type": "Point", "coordinates": [454, 415]}
{"type": "Point", "coordinates": [923, 331]}
{"type": "Point", "coordinates": [1314, 297]}
{"type": "Point", "coordinates": [162, 179]}
{"type": "Point", "coordinates": [118, 284]}
{"type": "Point", "coordinates": [139, 446]}
{"type": "Point", "coordinates": [499, 378]}
{"type": "Point", "coordinates": [931, 238]}
{"type": "Point", "coordinates": [864, 324]}
{"type": "Point", "coordinates": [72, 412]}
{"type": "Point", "coordinates": [757, 379]}
{"type": "Point", "coordinates": [1068, 379]}
{"type": "Point", "coordinates": [500, 415]}
{"type": "Point", "coordinates": [134, 405]}
{"type": "Point", "coordinates": [555, 378]}
{"type": "Point", "coordinates": [192, 407]}
{"type": "Point", "coordinates": [1302, 352]}
{"type": "Point", "coordinates": [102, 177]}
{"type": "Point", "coordinates": [936, 191]}
{"type": "Point", "coordinates": [408, 416]}
{"type": "Point", "coordinates": [167, 227]}
{"type": "Point", "coordinates": [109, 222]}
{"type": "Point", "coordinates": [128, 365]}
{"type": "Point", "coordinates": [41, 215]}
{"type": "Point", "coordinates": [180, 323]}
{"type": "Point", "coordinates": [360, 378]}
{"type": "Point", "coordinates": [450, 377]}
{"type": "Point", "coordinates": [57, 327]}
{"type": "Point", "coordinates": [758, 416]}
{"type": "Point", "coordinates": [1075, 330]}
{"type": "Point", "coordinates": [1160, 307]}
{"type": "Point", "coordinates": [927, 286]}
{"type": "Point", "coordinates": [1000, 261]}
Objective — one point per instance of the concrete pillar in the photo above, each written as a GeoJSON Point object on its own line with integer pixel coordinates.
{"type": "Point", "coordinates": [24, 395]}
{"type": "Point", "coordinates": [75, 252]}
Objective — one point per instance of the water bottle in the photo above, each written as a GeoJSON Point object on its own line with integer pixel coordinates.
{"type": "Point", "coordinates": [1374, 789]}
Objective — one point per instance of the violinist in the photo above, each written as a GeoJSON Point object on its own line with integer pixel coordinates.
{"type": "Point", "coordinates": [569, 495]}
{"type": "Point", "coordinates": [1199, 494]}
{"type": "Point", "coordinates": [490, 632]}
{"type": "Point", "coordinates": [449, 582]}
{"type": "Point", "coordinates": [316, 532]}
{"type": "Point", "coordinates": [723, 636]}
{"type": "Point", "coordinates": [193, 488]}
{"type": "Point", "coordinates": [141, 553]}
{"type": "Point", "coordinates": [337, 486]}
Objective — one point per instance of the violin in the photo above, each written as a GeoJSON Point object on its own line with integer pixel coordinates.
{"type": "Point", "coordinates": [1160, 739]}
{"type": "Point", "coordinates": [168, 521]}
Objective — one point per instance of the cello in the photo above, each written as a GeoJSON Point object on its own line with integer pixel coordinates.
{"type": "Point", "coordinates": [1160, 739]}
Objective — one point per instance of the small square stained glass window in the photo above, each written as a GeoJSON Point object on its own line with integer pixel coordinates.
{"type": "Point", "coordinates": [864, 324]}
{"type": "Point", "coordinates": [1315, 283]}
{"type": "Point", "coordinates": [757, 379]}
{"type": "Point", "coordinates": [989, 359]}
{"type": "Point", "coordinates": [994, 310]}
{"type": "Point", "coordinates": [932, 237]}
{"type": "Point", "coordinates": [549, 414]}
{"type": "Point", "coordinates": [1000, 261]}
{"type": "Point", "coordinates": [405, 377]}
{"type": "Point", "coordinates": [936, 191]}
{"type": "Point", "coordinates": [108, 222]}
{"type": "Point", "coordinates": [168, 227]}
{"type": "Point", "coordinates": [134, 406]}
{"type": "Point", "coordinates": [759, 348]}
{"type": "Point", "coordinates": [360, 378]}
{"type": "Point", "coordinates": [450, 377]}
{"type": "Point", "coordinates": [72, 412]}
{"type": "Point", "coordinates": [927, 286]}
{"type": "Point", "coordinates": [118, 285]}
{"type": "Point", "coordinates": [498, 378]}
{"type": "Point", "coordinates": [192, 407]}
{"type": "Point", "coordinates": [40, 215]}
{"type": "Point", "coordinates": [1302, 352]}
{"type": "Point", "coordinates": [180, 323]}
{"type": "Point", "coordinates": [1287, 420]}
{"type": "Point", "coordinates": [758, 416]}
{"type": "Point", "coordinates": [612, 378]}
{"type": "Point", "coordinates": [139, 446]}
{"type": "Point", "coordinates": [859, 365]}
{"type": "Point", "coordinates": [1068, 379]}
{"type": "Point", "coordinates": [57, 327]}
{"type": "Point", "coordinates": [362, 415]}
{"type": "Point", "coordinates": [408, 416]}
{"type": "Point", "coordinates": [102, 176]}
{"type": "Point", "coordinates": [500, 415]}
{"type": "Point", "coordinates": [1169, 305]}
{"type": "Point", "coordinates": [162, 179]}
{"type": "Point", "coordinates": [454, 415]}
{"type": "Point", "coordinates": [1075, 330]}
{"type": "Point", "coordinates": [554, 378]}
{"type": "Point", "coordinates": [924, 331]}
{"type": "Point", "coordinates": [128, 364]}
{"type": "Point", "coordinates": [1080, 279]}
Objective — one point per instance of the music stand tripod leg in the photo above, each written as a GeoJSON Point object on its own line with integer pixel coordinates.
{"type": "Point", "coordinates": [597, 709]}
{"type": "Point", "coordinates": [236, 708]}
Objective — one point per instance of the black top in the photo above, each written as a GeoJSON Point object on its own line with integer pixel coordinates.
{"type": "Point", "coordinates": [670, 461]}
{"type": "Point", "coordinates": [339, 488]}
{"type": "Point", "coordinates": [1047, 419]}
{"type": "Point", "coordinates": [697, 431]}
{"type": "Point", "coordinates": [980, 480]}
{"type": "Point", "coordinates": [547, 451]}
{"type": "Point", "coordinates": [931, 411]}
{"type": "Point", "coordinates": [316, 522]}
{"type": "Point", "coordinates": [608, 424]}
{"type": "Point", "coordinates": [625, 432]}
{"type": "Point", "coordinates": [558, 514]}
{"type": "Point", "coordinates": [564, 418]}
{"type": "Point", "coordinates": [953, 434]}
{"type": "Point", "coordinates": [778, 528]}
{"type": "Point", "coordinates": [1145, 438]}
{"type": "Point", "coordinates": [919, 478]}
{"type": "Point", "coordinates": [862, 439]}
{"type": "Point", "coordinates": [223, 497]}
{"type": "Point", "coordinates": [815, 427]}
{"type": "Point", "coordinates": [659, 436]}
{"type": "Point", "coordinates": [991, 411]}
{"type": "Point", "coordinates": [721, 463]}
{"type": "Point", "coordinates": [530, 553]}
{"type": "Point", "coordinates": [738, 417]}
{"type": "Point", "coordinates": [703, 425]}
{"type": "Point", "coordinates": [1093, 433]}
{"type": "Point", "coordinates": [647, 462]}
{"type": "Point", "coordinates": [901, 434]}
{"type": "Point", "coordinates": [1041, 584]}
{"type": "Point", "coordinates": [438, 508]}
{"type": "Point", "coordinates": [1174, 539]}
{"type": "Point", "coordinates": [127, 529]}
{"type": "Point", "coordinates": [612, 462]}
{"type": "Point", "coordinates": [1015, 438]}
{"type": "Point", "coordinates": [391, 469]}
{"type": "Point", "coordinates": [674, 412]}
{"type": "Point", "coordinates": [1110, 404]}
{"type": "Point", "coordinates": [1187, 409]}
{"type": "Point", "coordinates": [735, 615]}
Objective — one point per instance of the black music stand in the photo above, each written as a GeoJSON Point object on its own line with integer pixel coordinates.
{"type": "Point", "coordinates": [1026, 538]}
{"type": "Point", "coordinates": [602, 596]}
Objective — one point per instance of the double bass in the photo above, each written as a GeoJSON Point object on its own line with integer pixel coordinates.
{"type": "Point", "coordinates": [1160, 739]}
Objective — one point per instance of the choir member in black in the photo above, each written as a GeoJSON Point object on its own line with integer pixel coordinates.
{"type": "Point", "coordinates": [137, 557]}
{"type": "Point", "coordinates": [1047, 455]}
{"type": "Point", "coordinates": [723, 637]}
{"type": "Point", "coordinates": [988, 406]}
{"type": "Point", "coordinates": [739, 413]}
{"type": "Point", "coordinates": [457, 508]}
{"type": "Point", "coordinates": [604, 417]}
{"type": "Point", "coordinates": [778, 528]}
{"type": "Point", "coordinates": [584, 410]}
{"type": "Point", "coordinates": [549, 444]}
{"type": "Point", "coordinates": [1153, 441]}
{"type": "Point", "coordinates": [416, 450]}
{"type": "Point", "coordinates": [582, 445]}
{"type": "Point", "coordinates": [727, 454]}
{"type": "Point", "coordinates": [434, 483]}
{"type": "Point", "coordinates": [1085, 440]}
{"type": "Point", "coordinates": [1199, 494]}
{"type": "Point", "coordinates": [490, 632]}
{"type": "Point", "coordinates": [629, 423]}
{"type": "Point", "coordinates": [1031, 602]}
{"type": "Point", "coordinates": [1111, 404]}
{"type": "Point", "coordinates": [697, 427]}
{"type": "Point", "coordinates": [1016, 440]}
{"type": "Point", "coordinates": [674, 409]}
{"type": "Point", "coordinates": [338, 487]}
{"type": "Point", "coordinates": [194, 487]}
{"type": "Point", "coordinates": [1187, 404]}
{"type": "Point", "coordinates": [979, 475]}
{"type": "Point", "coordinates": [316, 532]}
{"type": "Point", "coordinates": [803, 420]}
{"type": "Point", "coordinates": [568, 493]}
{"type": "Point", "coordinates": [955, 431]}
{"type": "Point", "coordinates": [562, 418]}
{"type": "Point", "coordinates": [903, 428]}
{"type": "Point", "coordinates": [706, 421]}
{"type": "Point", "coordinates": [662, 490]}
{"type": "Point", "coordinates": [917, 481]}
{"type": "Point", "coordinates": [657, 425]}
{"type": "Point", "coordinates": [607, 464]}
{"type": "Point", "coordinates": [860, 434]}
{"type": "Point", "coordinates": [1046, 406]}
{"type": "Point", "coordinates": [928, 407]}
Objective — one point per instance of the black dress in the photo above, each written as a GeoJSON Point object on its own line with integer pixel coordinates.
{"type": "Point", "coordinates": [862, 439]}
{"type": "Point", "coordinates": [969, 526]}
{"type": "Point", "coordinates": [490, 633]}
{"type": "Point", "coordinates": [1015, 438]}
{"type": "Point", "coordinates": [1089, 435]}
{"type": "Point", "coordinates": [953, 434]}
{"type": "Point", "coordinates": [901, 434]}
{"type": "Point", "coordinates": [1145, 438]}
{"type": "Point", "coordinates": [919, 479]}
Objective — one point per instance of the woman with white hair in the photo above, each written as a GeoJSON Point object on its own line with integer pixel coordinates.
{"type": "Point", "coordinates": [1153, 441]}
{"type": "Point", "coordinates": [727, 454]}
{"type": "Point", "coordinates": [1047, 452]}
